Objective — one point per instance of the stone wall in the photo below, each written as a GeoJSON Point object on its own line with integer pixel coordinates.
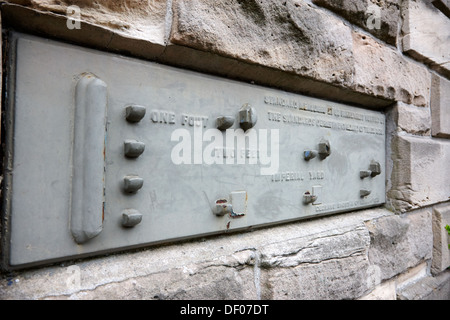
{"type": "Point", "coordinates": [391, 55]}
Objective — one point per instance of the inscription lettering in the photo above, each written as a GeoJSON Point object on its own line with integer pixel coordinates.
{"type": "Point", "coordinates": [291, 118]}
{"type": "Point", "coordinates": [298, 175]}
{"type": "Point", "coordinates": [193, 120]}
{"type": "Point", "coordinates": [316, 175]}
{"type": "Point", "coordinates": [345, 204]}
{"type": "Point", "coordinates": [288, 176]}
{"type": "Point", "coordinates": [288, 103]}
{"type": "Point", "coordinates": [161, 116]}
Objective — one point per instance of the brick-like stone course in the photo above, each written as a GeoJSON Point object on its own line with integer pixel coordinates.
{"type": "Point", "coordinates": [426, 34]}
{"type": "Point", "coordinates": [420, 172]}
{"type": "Point", "coordinates": [441, 239]}
{"type": "Point", "coordinates": [440, 107]}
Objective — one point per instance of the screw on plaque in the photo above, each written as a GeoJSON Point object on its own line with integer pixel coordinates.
{"type": "Point", "coordinates": [134, 113]}
{"type": "Point", "coordinates": [132, 184]}
{"type": "Point", "coordinates": [133, 148]}
{"type": "Point", "coordinates": [247, 117]}
{"type": "Point", "coordinates": [224, 122]}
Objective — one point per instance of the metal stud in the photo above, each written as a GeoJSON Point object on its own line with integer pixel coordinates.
{"type": "Point", "coordinates": [324, 149]}
{"type": "Point", "coordinates": [375, 168]}
{"type": "Point", "coordinates": [247, 117]}
{"type": "Point", "coordinates": [132, 184]}
{"type": "Point", "coordinates": [364, 193]}
{"type": "Point", "coordinates": [134, 113]}
{"type": "Point", "coordinates": [133, 148]}
{"type": "Point", "coordinates": [224, 122]}
{"type": "Point", "coordinates": [131, 217]}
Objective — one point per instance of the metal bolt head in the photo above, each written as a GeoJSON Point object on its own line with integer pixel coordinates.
{"type": "Point", "coordinates": [133, 148]}
{"type": "Point", "coordinates": [375, 168]}
{"type": "Point", "coordinates": [224, 122]}
{"type": "Point", "coordinates": [132, 184]}
{"type": "Point", "coordinates": [247, 117]}
{"type": "Point", "coordinates": [324, 149]}
{"type": "Point", "coordinates": [134, 113]}
{"type": "Point", "coordinates": [364, 174]}
{"type": "Point", "coordinates": [131, 217]}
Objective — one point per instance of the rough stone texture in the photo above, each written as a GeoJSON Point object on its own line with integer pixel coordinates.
{"type": "Point", "coordinates": [400, 242]}
{"type": "Point", "coordinates": [216, 280]}
{"type": "Point", "coordinates": [382, 71]}
{"type": "Point", "coordinates": [142, 19]}
{"type": "Point", "coordinates": [440, 106]}
{"type": "Point", "coordinates": [441, 239]}
{"type": "Point", "coordinates": [426, 34]}
{"type": "Point", "coordinates": [241, 266]}
{"type": "Point", "coordinates": [411, 119]}
{"type": "Point", "coordinates": [329, 265]}
{"type": "Point", "coordinates": [290, 36]}
{"type": "Point", "coordinates": [420, 172]}
{"type": "Point", "coordinates": [292, 45]}
{"type": "Point", "coordinates": [365, 14]}
{"type": "Point", "coordinates": [345, 256]}
{"type": "Point", "coordinates": [342, 278]}
{"type": "Point", "coordinates": [428, 288]}
{"type": "Point", "coordinates": [411, 276]}
{"type": "Point", "coordinates": [384, 291]}
{"type": "Point", "coordinates": [162, 50]}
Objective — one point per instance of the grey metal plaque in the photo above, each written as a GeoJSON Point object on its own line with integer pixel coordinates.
{"type": "Point", "coordinates": [107, 153]}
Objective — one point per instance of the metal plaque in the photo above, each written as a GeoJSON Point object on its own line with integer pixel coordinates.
{"type": "Point", "coordinates": [106, 152]}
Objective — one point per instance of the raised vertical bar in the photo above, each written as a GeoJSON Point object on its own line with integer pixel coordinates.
{"type": "Point", "coordinates": [88, 158]}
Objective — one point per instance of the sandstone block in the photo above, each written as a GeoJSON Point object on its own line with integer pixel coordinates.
{"type": "Point", "coordinates": [384, 291]}
{"type": "Point", "coordinates": [441, 239]}
{"type": "Point", "coordinates": [426, 32]}
{"type": "Point", "coordinates": [297, 38]}
{"type": "Point", "coordinates": [138, 19]}
{"type": "Point", "coordinates": [400, 242]}
{"type": "Point", "coordinates": [291, 36]}
{"type": "Point", "coordinates": [216, 283]}
{"type": "Point", "coordinates": [327, 265]}
{"type": "Point", "coordinates": [440, 106]}
{"type": "Point", "coordinates": [411, 119]}
{"type": "Point", "coordinates": [428, 288]}
{"type": "Point", "coordinates": [382, 71]}
{"type": "Point", "coordinates": [420, 172]}
{"type": "Point", "coordinates": [292, 45]}
{"type": "Point", "coordinates": [335, 279]}
{"type": "Point", "coordinates": [380, 18]}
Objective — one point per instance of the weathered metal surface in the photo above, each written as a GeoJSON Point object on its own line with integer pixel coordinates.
{"type": "Point", "coordinates": [88, 181]}
{"type": "Point", "coordinates": [186, 154]}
